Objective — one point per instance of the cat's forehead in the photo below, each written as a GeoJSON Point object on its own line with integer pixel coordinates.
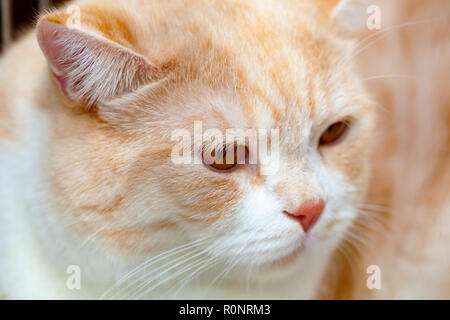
{"type": "Point", "coordinates": [271, 72]}
{"type": "Point", "coordinates": [248, 65]}
{"type": "Point", "coordinates": [285, 90]}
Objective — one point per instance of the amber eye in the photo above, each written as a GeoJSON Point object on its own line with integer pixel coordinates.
{"type": "Point", "coordinates": [222, 160]}
{"type": "Point", "coordinates": [333, 133]}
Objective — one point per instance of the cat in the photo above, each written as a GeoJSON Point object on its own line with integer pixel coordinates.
{"type": "Point", "coordinates": [92, 205]}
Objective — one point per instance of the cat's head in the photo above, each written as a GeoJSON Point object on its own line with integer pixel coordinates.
{"type": "Point", "coordinates": [128, 77]}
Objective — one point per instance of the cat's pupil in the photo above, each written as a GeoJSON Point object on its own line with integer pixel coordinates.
{"type": "Point", "coordinates": [333, 133]}
{"type": "Point", "coordinates": [221, 162]}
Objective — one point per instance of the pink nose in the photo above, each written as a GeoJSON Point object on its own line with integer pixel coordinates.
{"type": "Point", "coordinates": [308, 213]}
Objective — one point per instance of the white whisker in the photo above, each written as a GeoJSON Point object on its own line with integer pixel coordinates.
{"type": "Point", "coordinates": [190, 266]}
{"type": "Point", "coordinates": [91, 237]}
{"type": "Point", "coordinates": [153, 260]}
{"type": "Point", "coordinates": [207, 266]}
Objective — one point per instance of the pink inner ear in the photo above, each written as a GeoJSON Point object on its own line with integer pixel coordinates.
{"type": "Point", "coordinates": [51, 38]}
{"type": "Point", "coordinates": [63, 82]}
{"type": "Point", "coordinates": [90, 68]}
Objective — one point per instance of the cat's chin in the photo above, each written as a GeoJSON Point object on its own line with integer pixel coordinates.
{"type": "Point", "coordinates": [283, 266]}
{"type": "Point", "coordinates": [304, 254]}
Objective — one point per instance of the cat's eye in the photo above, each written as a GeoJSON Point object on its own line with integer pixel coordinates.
{"type": "Point", "coordinates": [222, 161]}
{"type": "Point", "coordinates": [334, 133]}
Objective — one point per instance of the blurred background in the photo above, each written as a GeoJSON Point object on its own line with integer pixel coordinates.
{"type": "Point", "coordinates": [17, 15]}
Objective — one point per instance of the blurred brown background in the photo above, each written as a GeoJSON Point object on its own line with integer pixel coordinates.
{"type": "Point", "coordinates": [16, 16]}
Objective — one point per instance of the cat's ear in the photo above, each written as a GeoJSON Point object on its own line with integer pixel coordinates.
{"type": "Point", "coordinates": [350, 17]}
{"type": "Point", "coordinates": [90, 68]}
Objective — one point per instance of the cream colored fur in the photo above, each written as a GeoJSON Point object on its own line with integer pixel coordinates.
{"type": "Point", "coordinates": [86, 176]}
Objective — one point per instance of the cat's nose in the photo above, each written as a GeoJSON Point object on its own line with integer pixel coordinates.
{"type": "Point", "coordinates": [308, 213]}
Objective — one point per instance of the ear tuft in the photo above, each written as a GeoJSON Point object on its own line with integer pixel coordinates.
{"type": "Point", "coordinates": [350, 16]}
{"type": "Point", "coordinates": [89, 68]}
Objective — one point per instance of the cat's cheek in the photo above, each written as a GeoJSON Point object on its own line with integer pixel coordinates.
{"type": "Point", "coordinates": [350, 160]}
{"type": "Point", "coordinates": [200, 195]}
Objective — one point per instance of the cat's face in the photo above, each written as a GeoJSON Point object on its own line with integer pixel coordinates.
{"type": "Point", "coordinates": [255, 66]}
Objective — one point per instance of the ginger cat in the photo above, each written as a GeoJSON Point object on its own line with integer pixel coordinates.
{"type": "Point", "coordinates": [89, 102]}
